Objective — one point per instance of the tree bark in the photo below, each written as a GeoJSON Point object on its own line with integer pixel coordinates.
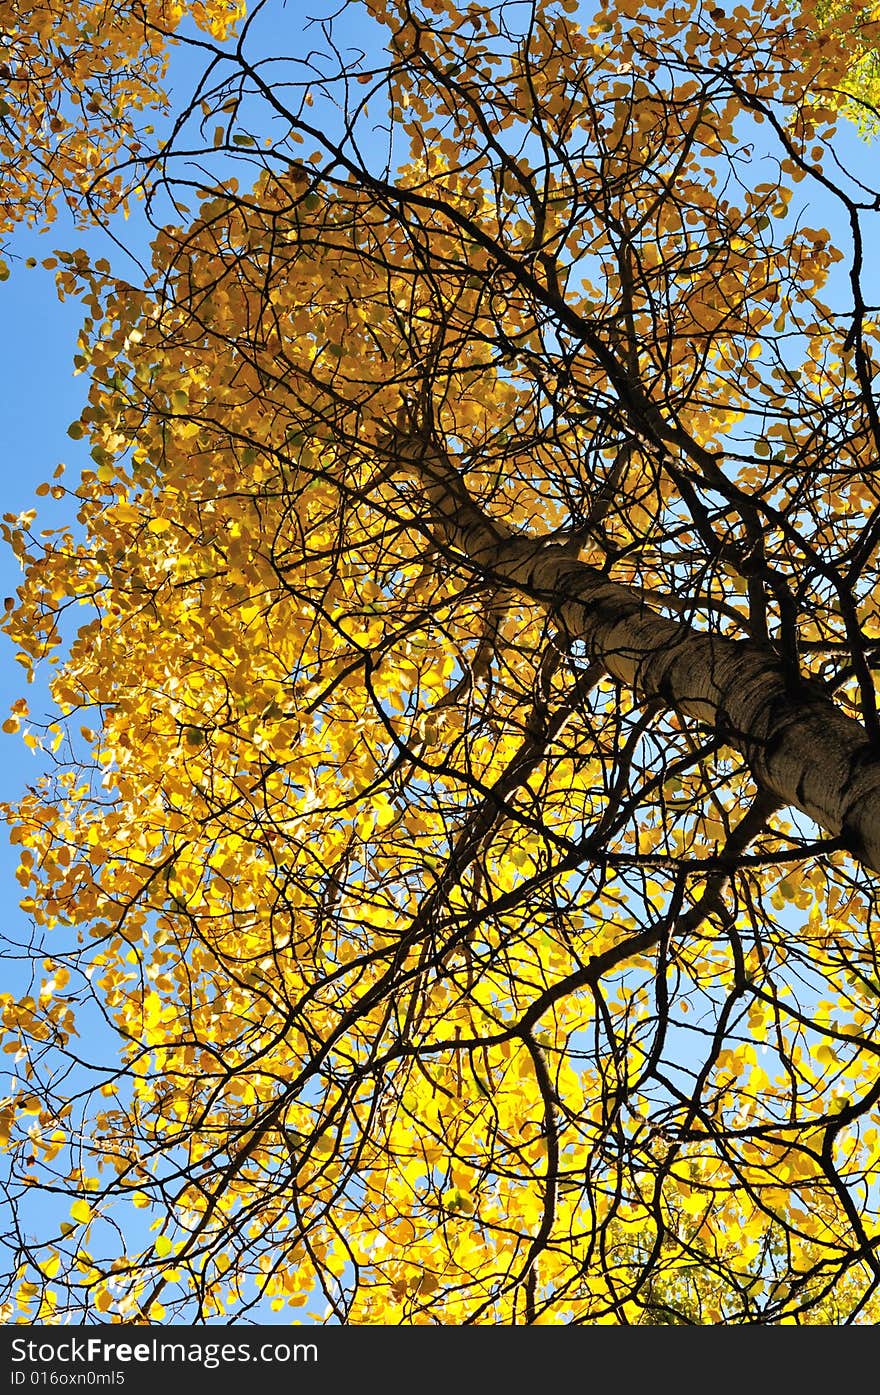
{"type": "Point", "coordinates": [796, 741]}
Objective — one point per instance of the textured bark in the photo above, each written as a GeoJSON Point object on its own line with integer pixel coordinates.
{"type": "Point", "coordinates": [797, 742]}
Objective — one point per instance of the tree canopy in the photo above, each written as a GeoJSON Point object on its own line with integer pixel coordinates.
{"type": "Point", "coordinates": [454, 878]}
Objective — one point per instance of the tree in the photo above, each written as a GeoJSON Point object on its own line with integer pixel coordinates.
{"type": "Point", "coordinates": [465, 798]}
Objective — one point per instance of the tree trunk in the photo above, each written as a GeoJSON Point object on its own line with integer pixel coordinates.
{"type": "Point", "coordinates": [797, 743]}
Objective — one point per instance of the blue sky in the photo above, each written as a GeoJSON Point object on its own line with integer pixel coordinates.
{"type": "Point", "coordinates": [40, 397]}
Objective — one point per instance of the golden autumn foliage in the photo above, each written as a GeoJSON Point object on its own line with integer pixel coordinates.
{"type": "Point", "coordinates": [850, 33]}
{"type": "Point", "coordinates": [78, 83]}
{"type": "Point", "coordinates": [455, 871]}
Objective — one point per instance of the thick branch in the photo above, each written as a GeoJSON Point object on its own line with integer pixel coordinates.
{"type": "Point", "coordinates": [798, 744]}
